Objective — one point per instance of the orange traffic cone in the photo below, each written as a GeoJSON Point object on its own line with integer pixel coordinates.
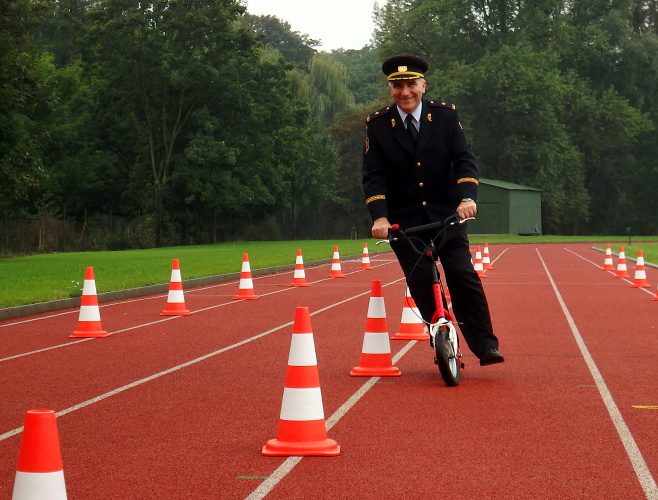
{"type": "Point", "coordinates": [175, 300]}
{"type": "Point", "coordinates": [477, 263]}
{"type": "Point", "coordinates": [486, 259]}
{"type": "Point", "coordinates": [246, 290]}
{"type": "Point", "coordinates": [376, 360]}
{"type": "Point", "coordinates": [607, 262]}
{"type": "Point", "coordinates": [89, 321]}
{"type": "Point", "coordinates": [335, 266]}
{"type": "Point", "coordinates": [299, 276]}
{"type": "Point", "coordinates": [39, 473]}
{"type": "Point", "coordinates": [412, 326]}
{"type": "Point", "coordinates": [622, 271]}
{"type": "Point", "coordinates": [365, 258]}
{"type": "Point", "coordinates": [655, 297]}
{"type": "Point", "coordinates": [640, 278]}
{"type": "Point", "coordinates": [302, 430]}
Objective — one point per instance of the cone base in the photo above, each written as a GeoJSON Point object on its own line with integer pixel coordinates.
{"type": "Point", "coordinates": [184, 312]}
{"type": "Point", "coordinates": [482, 275]}
{"type": "Point", "coordinates": [365, 371]}
{"type": "Point", "coordinates": [369, 268]}
{"type": "Point", "coordinates": [625, 276]}
{"type": "Point", "coordinates": [245, 297]}
{"type": "Point", "coordinates": [610, 268]}
{"type": "Point", "coordinates": [299, 284]}
{"type": "Point", "coordinates": [640, 285]}
{"type": "Point", "coordinates": [336, 276]}
{"type": "Point", "coordinates": [276, 448]}
{"type": "Point", "coordinates": [410, 336]}
{"type": "Point", "coordinates": [78, 334]}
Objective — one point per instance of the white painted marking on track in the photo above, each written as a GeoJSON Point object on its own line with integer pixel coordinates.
{"type": "Point", "coordinates": [274, 478]}
{"type": "Point", "coordinates": [289, 464]}
{"type": "Point", "coordinates": [645, 290]}
{"type": "Point", "coordinates": [642, 472]}
{"type": "Point", "coordinates": [139, 382]}
{"type": "Point", "coordinates": [168, 318]}
{"type": "Point", "coordinates": [164, 294]}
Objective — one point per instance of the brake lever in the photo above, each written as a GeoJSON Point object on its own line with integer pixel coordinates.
{"type": "Point", "coordinates": [462, 221]}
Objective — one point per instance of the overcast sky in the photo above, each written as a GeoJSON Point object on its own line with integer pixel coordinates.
{"type": "Point", "coordinates": [337, 23]}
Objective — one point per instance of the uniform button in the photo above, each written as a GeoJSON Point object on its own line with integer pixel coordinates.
{"type": "Point", "coordinates": [424, 203]}
{"type": "Point", "coordinates": [420, 185]}
{"type": "Point", "coordinates": [418, 164]}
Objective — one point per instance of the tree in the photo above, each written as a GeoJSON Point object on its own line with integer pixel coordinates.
{"type": "Point", "coordinates": [364, 77]}
{"type": "Point", "coordinates": [328, 92]}
{"type": "Point", "coordinates": [274, 33]}
{"type": "Point", "coordinates": [22, 89]}
{"type": "Point", "coordinates": [60, 30]}
{"type": "Point", "coordinates": [158, 64]}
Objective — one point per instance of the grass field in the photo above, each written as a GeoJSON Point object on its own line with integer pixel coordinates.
{"type": "Point", "coordinates": [45, 277]}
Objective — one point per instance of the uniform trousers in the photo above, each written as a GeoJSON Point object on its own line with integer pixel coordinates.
{"type": "Point", "coordinates": [469, 302]}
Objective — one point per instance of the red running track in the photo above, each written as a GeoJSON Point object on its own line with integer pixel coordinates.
{"type": "Point", "coordinates": [172, 408]}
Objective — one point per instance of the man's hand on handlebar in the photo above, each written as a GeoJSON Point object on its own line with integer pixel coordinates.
{"type": "Point", "coordinates": [467, 209]}
{"type": "Point", "coordinates": [380, 228]}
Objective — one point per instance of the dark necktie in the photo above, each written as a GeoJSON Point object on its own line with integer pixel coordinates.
{"type": "Point", "coordinates": [411, 128]}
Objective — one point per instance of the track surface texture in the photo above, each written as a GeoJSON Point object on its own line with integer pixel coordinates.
{"type": "Point", "coordinates": [180, 407]}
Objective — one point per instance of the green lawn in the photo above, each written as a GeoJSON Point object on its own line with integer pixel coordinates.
{"type": "Point", "coordinates": [40, 278]}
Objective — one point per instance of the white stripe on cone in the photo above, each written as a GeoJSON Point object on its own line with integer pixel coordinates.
{"type": "Point", "coordinates": [411, 316]}
{"type": "Point", "coordinates": [302, 350]}
{"type": "Point", "coordinates": [376, 343]}
{"type": "Point", "coordinates": [302, 404]}
{"type": "Point", "coordinates": [176, 296]}
{"type": "Point", "coordinates": [89, 313]}
{"type": "Point", "coordinates": [376, 307]}
{"type": "Point", "coordinates": [39, 485]}
{"type": "Point", "coordinates": [246, 283]}
{"type": "Point", "coordinates": [89, 287]}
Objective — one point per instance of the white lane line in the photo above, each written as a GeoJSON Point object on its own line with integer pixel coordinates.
{"type": "Point", "coordinates": [118, 302]}
{"type": "Point", "coordinates": [632, 450]}
{"type": "Point", "coordinates": [499, 255]}
{"type": "Point", "coordinates": [139, 382]}
{"type": "Point", "coordinates": [150, 323]}
{"type": "Point", "coordinates": [646, 290]}
{"type": "Point", "coordinates": [289, 464]}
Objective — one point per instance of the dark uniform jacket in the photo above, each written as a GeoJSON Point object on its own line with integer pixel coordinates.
{"type": "Point", "coordinates": [411, 185]}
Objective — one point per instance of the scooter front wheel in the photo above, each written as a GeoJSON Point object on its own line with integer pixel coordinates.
{"type": "Point", "coordinates": [446, 357]}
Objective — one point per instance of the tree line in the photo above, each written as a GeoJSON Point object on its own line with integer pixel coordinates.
{"type": "Point", "coordinates": [128, 125]}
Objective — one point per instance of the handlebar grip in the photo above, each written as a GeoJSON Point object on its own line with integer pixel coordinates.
{"type": "Point", "coordinates": [433, 225]}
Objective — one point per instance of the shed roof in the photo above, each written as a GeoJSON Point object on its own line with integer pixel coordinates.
{"type": "Point", "coordinates": [507, 185]}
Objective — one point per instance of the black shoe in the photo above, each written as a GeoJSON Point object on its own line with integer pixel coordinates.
{"type": "Point", "coordinates": [491, 356]}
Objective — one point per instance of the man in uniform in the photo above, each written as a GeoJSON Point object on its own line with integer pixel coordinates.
{"type": "Point", "coordinates": [419, 168]}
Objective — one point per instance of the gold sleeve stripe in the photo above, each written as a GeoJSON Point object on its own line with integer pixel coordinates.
{"type": "Point", "coordinates": [375, 198]}
{"type": "Point", "coordinates": [467, 179]}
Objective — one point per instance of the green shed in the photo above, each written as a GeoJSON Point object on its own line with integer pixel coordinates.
{"type": "Point", "coordinates": [506, 208]}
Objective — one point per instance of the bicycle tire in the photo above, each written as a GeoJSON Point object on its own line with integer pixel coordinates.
{"type": "Point", "coordinates": [446, 358]}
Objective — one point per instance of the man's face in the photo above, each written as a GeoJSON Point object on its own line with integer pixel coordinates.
{"type": "Point", "coordinates": [407, 94]}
